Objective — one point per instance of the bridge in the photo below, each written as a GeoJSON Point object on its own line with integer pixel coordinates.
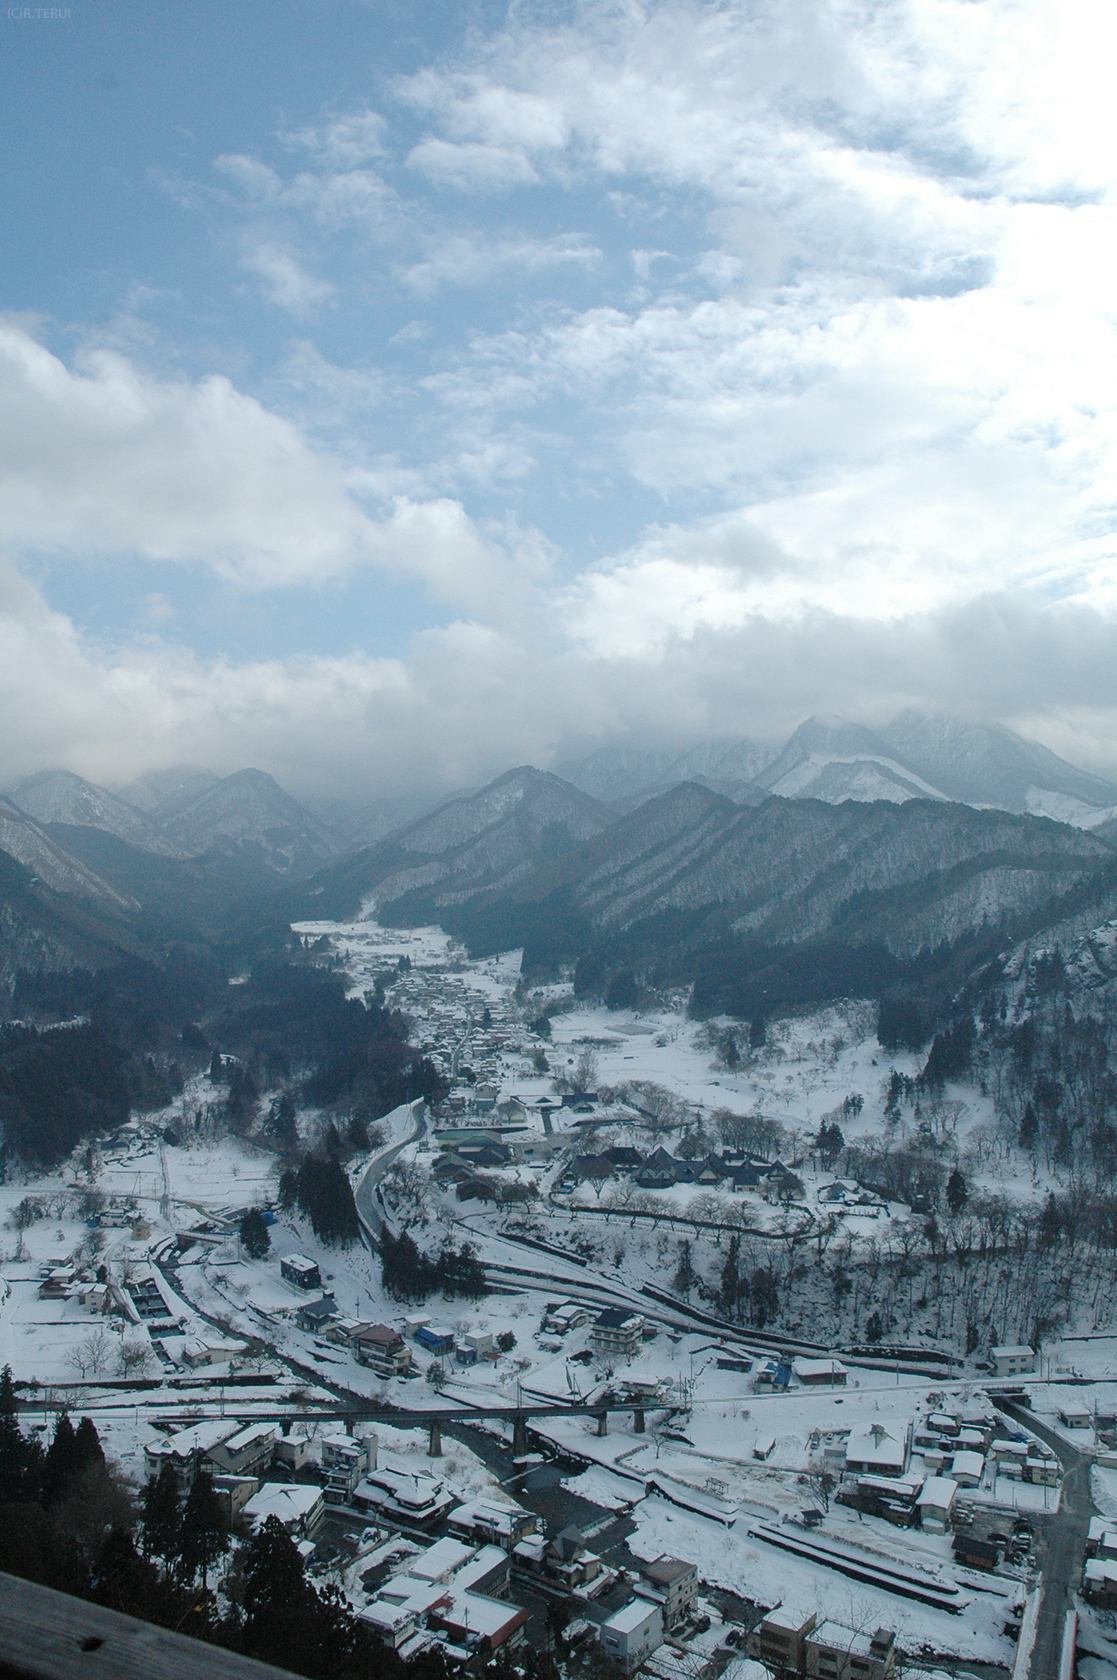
{"type": "Point", "coordinates": [433, 1417]}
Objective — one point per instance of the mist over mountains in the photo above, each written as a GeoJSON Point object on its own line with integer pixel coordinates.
{"type": "Point", "coordinates": [846, 861]}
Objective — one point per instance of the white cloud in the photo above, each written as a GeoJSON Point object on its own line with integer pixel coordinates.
{"type": "Point", "coordinates": [287, 282]}
{"type": "Point", "coordinates": [104, 458]}
{"type": "Point", "coordinates": [470, 166]}
{"type": "Point", "coordinates": [470, 259]}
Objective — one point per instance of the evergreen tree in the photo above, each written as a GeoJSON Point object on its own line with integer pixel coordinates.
{"type": "Point", "coordinates": [161, 1504]}
{"type": "Point", "coordinates": [459, 1272]}
{"type": "Point", "coordinates": [205, 1530]}
{"type": "Point", "coordinates": [254, 1234]}
{"type": "Point", "coordinates": [1029, 1128]}
{"type": "Point", "coordinates": [87, 1445]}
{"type": "Point", "coordinates": [21, 1457]}
{"type": "Point", "coordinates": [216, 1068]}
{"type": "Point", "coordinates": [957, 1192]}
{"type": "Point", "coordinates": [288, 1189]}
{"type": "Point", "coordinates": [407, 1274]}
{"type": "Point", "coordinates": [282, 1121]}
{"type": "Point", "coordinates": [62, 1461]}
{"type": "Point", "coordinates": [685, 1276]}
{"type": "Point", "coordinates": [325, 1195]}
{"type": "Point", "coordinates": [273, 1573]}
{"type": "Point", "coordinates": [764, 1295]}
{"type": "Point", "coordinates": [122, 1580]}
{"type": "Point", "coordinates": [730, 1287]}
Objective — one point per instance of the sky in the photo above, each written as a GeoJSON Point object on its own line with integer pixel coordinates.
{"type": "Point", "coordinates": [396, 391]}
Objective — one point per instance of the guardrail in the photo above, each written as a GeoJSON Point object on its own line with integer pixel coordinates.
{"type": "Point", "coordinates": [48, 1635]}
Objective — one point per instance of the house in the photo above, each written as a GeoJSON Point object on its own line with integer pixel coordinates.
{"type": "Point", "coordinates": [435, 1337]}
{"type": "Point", "coordinates": [483, 1520]}
{"type": "Point", "coordinates": [974, 1553]}
{"type": "Point", "coordinates": [344, 1462]}
{"type": "Point", "coordinates": [711, 1171]}
{"type": "Point", "coordinates": [781, 1185]}
{"type": "Point", "coordinates": [889, 1497]}
{"type": "Point", "coordinates": [936, 1503]}
{"type": "Point", "coordinates": [187, 1450]}
{"type": "Point", "coordinates": [298, 1507]}
{"type": "Point", "coordinates": [303, 1273]}
{"type": "Point", "coordinates": [617, 1333]}
{"type": "Point", "coordinates": [247, 1453]}
{"type": "Point", "coordinates": [315, 1315]}
{"type": "Point", "coordinates": [780, 1641]}
{"type": "Point", "coordinates": [457, 1589]}
{"type": "Point", "coordinates": [563, 1561]}
{"type": "Point", "coordinates": [763, 1447]}
{"type": "Point", "coordinates": [624, 1158]}
{"type": "Point", "coordinates": [772, 1377]}
{"type": "Point", "coordinates": [58, 1281]}
{"type": "Point", "coordinates": [1043, 1472]}
{"type": "Point", "coordinates": [967, 1469]}
{"type": "Point", "coordinates": [1099, 1583]}
{"type": "Point", "coordinates": [632, 1633]}
{"type": "Point", "coordinates": [673, 1585]}
{"type": "Point", "coordinates": [415, 1499]}
{"type": "Point", "coordinates": [1012, 1361]}
{"type": "Point", "coordinates": [479, 1623]}
{"type": "Point", "coordinates": [1073, 1416]}
{"type": "Point", "coordinates": [292, 1450]}
{"type": "Point", "coordinates": [878, 1451]}
{"type": "Point", "coordinates": [234, 1492]}
{"type": "Point", "coordinates": [834, 1652]}
{"type": "Point", "coordinates": [382, 1349]}
{"type": "Point", "coordinates": [819, 1372]}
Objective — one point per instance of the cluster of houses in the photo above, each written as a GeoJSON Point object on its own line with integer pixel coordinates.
{"type": "Point", "coordinates": [1099, 1574]}
{"type": "Point", "coordinates": [911, 1474]}
{"type": "Point", "coordinates": [662, 1171]}
{"type": "Point", "coordinates": [788, 1644]}
{"type": "Point", "coordinates": [458, 1590]}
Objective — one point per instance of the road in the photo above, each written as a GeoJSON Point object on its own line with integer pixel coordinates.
{"type": "Point", "coordinates": [1066, 1548]}
{"type": "Point", "coordinates": [367, 1210]}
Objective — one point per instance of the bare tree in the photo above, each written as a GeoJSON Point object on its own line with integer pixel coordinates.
{"type": "Point", "coordinates": [133, 1357]}
{"type": "Point", "coordinates": [90, 1357]}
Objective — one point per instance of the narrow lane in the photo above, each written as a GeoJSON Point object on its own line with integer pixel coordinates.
{"type": "Point", "coordinates": [1066, 1546]}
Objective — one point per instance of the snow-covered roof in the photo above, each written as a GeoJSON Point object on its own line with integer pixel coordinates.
{"type": "Point", "coordinates": [289, 1501]}
{"type": "Point", "coordinates": [201, 1437]}
{"type": "Point", "coordinates": [967, 1464]}
{"type": "Point", "coordinates": [631, 1616]}
{"type": "Point", "coordinates": [439, 1561]}
{"type": "Point", "coordinates": [938, 1491]}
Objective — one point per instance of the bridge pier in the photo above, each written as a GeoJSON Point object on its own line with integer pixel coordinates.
{"type": "Point", "coordinates": [638, 1420]}
{"type": "Point", "coordinates": [434, 1447]}
{"type": "Point", "coordinates": [519, 1436]}
{"type": "Point", "coordinates": [603, 1423]}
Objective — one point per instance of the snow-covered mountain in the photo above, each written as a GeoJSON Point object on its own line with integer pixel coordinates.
{"type": "Point", "coordinates": [920, 755]}
{"type": "Point", "coordinates": [624, 777]}
{"type": "Point", "coordinates": [161, 794]}
{"type": "Point", "coordinates": [984, 764]}
{"type": "Point", "coordinates": [58, 796]}
{"type": "Point", "coordinates": [250, 816]}
{"type": "Point", "coordinates": [49, 861]}
{"type": "Point", "coordinates": [830, 759]}
{"type": "Point", "coordinates": [481, 841]}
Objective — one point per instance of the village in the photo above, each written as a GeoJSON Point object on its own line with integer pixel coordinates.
{"type": "Point", "coordinates": [587, 1455]}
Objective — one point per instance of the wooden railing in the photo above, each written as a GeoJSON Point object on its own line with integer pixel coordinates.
{"type": "Point", "coordinates": [47, 1635]}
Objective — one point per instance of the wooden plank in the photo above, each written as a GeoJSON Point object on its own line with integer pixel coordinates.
{"type": "Point", "coordinates": [48, 1635]}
